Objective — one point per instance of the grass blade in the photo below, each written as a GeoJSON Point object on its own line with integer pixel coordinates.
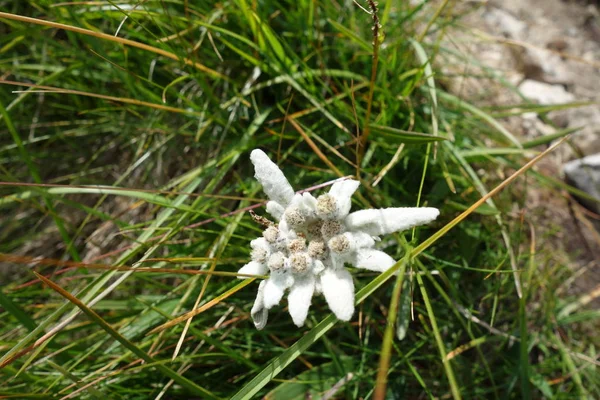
{"type": "Point", "coordinates": [388, 337]}
{"type": "Point", "coordinates": [17, 312]}
{"type": "Point", "coordinates": [351, 35]}
{"type": "Point", "coordinates": [481, 114]}
{"type": "Point", "coordinates": [433, 238]}
{"type": "Point", "coordinates": [401, 136]}
{"type": "Point", "coordinates": [202, 308]}
{"type": "Point", "coordinates": [191, 386]}
{"type": "Point", "coordinates": [112, 38]}
{"type": "Point", "coordinates": [438, 339]}
{"type": "Point", "coordinates": [49, 89]}
{"type": "Point", "coordinates": [36, 177]}
{"type": "Point", "coordinates": [549, 138]}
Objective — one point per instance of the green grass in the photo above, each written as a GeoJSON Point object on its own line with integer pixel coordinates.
{"type": "Point", "coordinates": [131, 152]}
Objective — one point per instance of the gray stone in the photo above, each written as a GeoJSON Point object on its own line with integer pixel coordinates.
{"type": "Point", "coordinates": [544, 93]}
{"type": "Point", "coordinates": [584, 174]}
{"type": "Point", "coordinates": [505, 22]}
{"type": "Point", "coordinates": [542, 65]}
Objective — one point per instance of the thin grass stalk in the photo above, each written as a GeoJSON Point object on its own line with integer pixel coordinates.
{"type": "Point", "coordinates": [432, 20]}
{"type": "Point", "coordinates": [50, 89]}
{"type": "Point", "coordinates": [116, 39]}
{"type": "Point", "coordinates": [376, 43]}
{"type": "Point", "coordinates": [433, 238]}
{"type": "Point", "coordinates": [191, 386]}
{"type": "Point", "coordinates": [438, 339]}
{"type": "Point", "coordinates": [388, 337]}
{"type": "Point", "coordinates": [10, 258]}
{"type": "Point", "coordinates": [33, 171]}
{"type": "Point", "coordinates": [524, 350]}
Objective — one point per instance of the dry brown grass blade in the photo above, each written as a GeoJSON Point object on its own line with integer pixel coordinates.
{"type": "Point", "coordinates": [164, 192]}
{"type": "Point", "coordinates": [96, 318]}
{"type": "Point", "coordinates": [381, 386]}
{"type": "Point", "coordinates": [19, 354]}
{"type": "Point", "coordinates": [48, 335]}
{"type": "Point", "coordinates": [73, 264]}
{"type": "Point", "coordinates": [330, 100]}
{"type": "Point", "coordinates": [376, 43]}
{"type": "Point", "coordinates": [580, 213]}
{"type": "Point", "coordinates": [433, 238]}
{"type": "Point", "coordinates": [315, 148]}
{"type": "Point", "coordinates": [389, 166]}
{"type": "Point", "coordinates": [214, 249]}
{"type": "Point", "coordinates": [116, 39]}
{"type": "Point", "coordinates": [50, 89]}
{"type": "Point", "coordinates": [200, 310]}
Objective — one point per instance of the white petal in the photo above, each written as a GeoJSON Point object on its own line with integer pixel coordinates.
{"type": "Point", "coordinates": [259, 243]}
{"type": "Point", "coordinates": [284, 230]}
{"type": "Point", "coordinates": [299, 298]}
{"type": "Point", "coordinates": [274, 288]}
{"type": "Point", "coordinates": [274, 183]}
{"type": "Point", "coordinates": [373, 260]}
{"type": "Point", "coordinates": [306, 203]}
{"type": "Point", "coordinates": [296, 200]}
{"type": "Point", "coordinates": [338, 289]}
{"type": "Point", "coordinates": [259, 313]}
{"type": "Point", "coordinates": [342, 193]}
{"type": "Point", "coordinates": [309, 205]}
{"type": "Point", "coordinates": [253, 268]}
{"type": "Point", "coordinates": [360, 239]}
{"type": "Point", "coordinates": [377, 222]}
{"type": "Point", "coordinates": [309, 202]}
{"type": "Point", "coordinates": [275, 209]}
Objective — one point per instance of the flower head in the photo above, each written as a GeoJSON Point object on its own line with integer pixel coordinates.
{"type": "Point", "coordinates": [305, 252]}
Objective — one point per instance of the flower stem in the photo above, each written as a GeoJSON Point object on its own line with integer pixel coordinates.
{"type": "Point", "coordinates": [376, 42]}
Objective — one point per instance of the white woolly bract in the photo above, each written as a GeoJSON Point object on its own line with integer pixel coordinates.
{"type": "Point", "coordinates": [253, 268]}
{"type": "Point", "coordinates": [275, 287]}
{"type": "Point", "coordinates": [275, 209]}
{"type": "Point", "coordinates": [373, 260]}
{"type": "Point", "coordinates": [300, 297]}
{"type": "Point", "coordinates": [318, 267]}
{"type": "Point", "coordinates": [360, 239]}
{"type": "Point", "coordinates": [338, 289]}
{"type": "Point", "coordinates": [378, 222]}
{"type": "Point", "coordinates": [342, 193]}
{"type": "Point", "coordinates": [259, 243]}
{"type": "Point", "coordinates": [259, 313]}
{"type": "Point", "coordinates": [305, 202]}
{"type": "Point", "coordinates": [274, 183]}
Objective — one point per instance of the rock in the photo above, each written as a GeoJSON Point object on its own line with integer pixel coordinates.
{"type": "Point", "coordinates": [533, 126]}
{"type": "Point", "coordinates": [544, 93]}
{"type": "Point", "coordinates": [584, 174]}
{"type": "Point", "coordinates": [541, 65]}
{"type": "Point", "coordinates": [587, 139]}
{"type": "Point", "coordinates": [505, 22]}
{"type": "Point", "coordinates": [558, 45]}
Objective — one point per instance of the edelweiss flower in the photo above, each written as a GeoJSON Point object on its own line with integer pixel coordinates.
{"type": "Point", "coordinates": [306, 251]}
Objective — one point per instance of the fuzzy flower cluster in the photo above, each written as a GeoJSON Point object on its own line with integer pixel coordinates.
{"type": "Point", "coordinates": [306, 250]}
